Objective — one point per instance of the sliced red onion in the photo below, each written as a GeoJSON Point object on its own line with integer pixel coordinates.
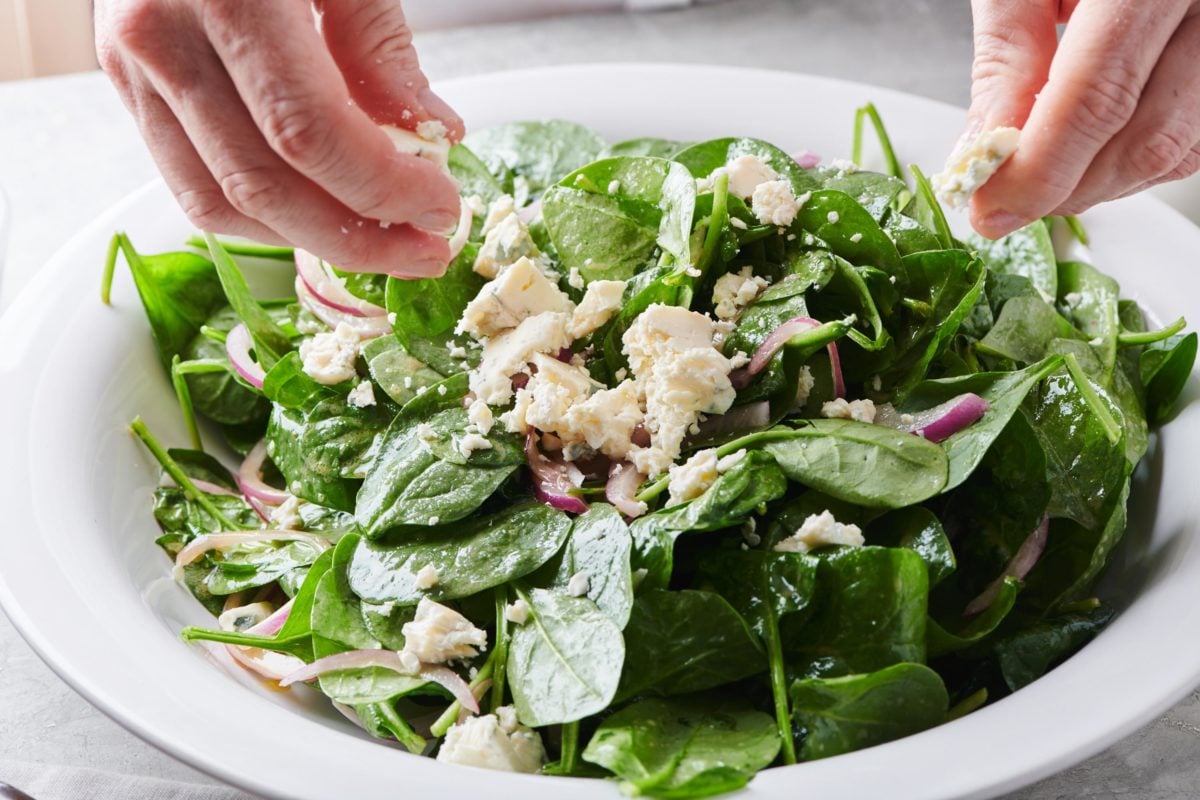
{"type": "Point", "coordinates": [267, 663]}
{"type": "Point", "coordinates": [530, 212]}
{"type": "Point", "coordinates": [331, 290]}
{"type": "Point", "coordinates": [262, 509]}
{"type": "Point", "coordinates": [237, 347]}
{"type": "Point", "coordinates": [366, 327]}
{"type": "Point", "coordinates": [621, 490]}
{"type": "Point", "coordinates": [349, 713]}
{"type": "Point", "coordinates": [553, 479]}
{"type": "Point", "coordinates": [223, 541]}
{"type": "Point", "coordinates": [250, 480]}
{"type": "Point", "coordinates": [737, 420]}
{"type": "Point", "coordinates": [385, 659]}
{"type": "Point", "coordinates": [1019, 565]}
{"type": "Point", "coordinates": [772, 345]}
{"type": "Point", "coordinates": [938, 423]}
{"type": "Point", "coordinates": [807, 159]}
{"type": "Point", "coordinates": [463, 232]}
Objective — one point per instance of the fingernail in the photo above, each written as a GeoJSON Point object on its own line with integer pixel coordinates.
{"type": "Point", "coordinates": [437, 221]}
{"type": "Point", "coordinates": [1002, 223]}
{"type": "Point", "coordinates": [429, 268]}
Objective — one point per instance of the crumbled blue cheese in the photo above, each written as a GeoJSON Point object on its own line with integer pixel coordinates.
{"type": "Point", "coordinates": [856, 238]}
{"type": "Point", "coordinates": [774, 203]}
{"type": "Point", "coordinates": [329, 358]}
{"type": "Point", "coordinates": [614, 187]}
{"type": "Point", "coordinates": [821, 530]}
{"type": "Point", "coordinates": [508, 354]}
{"type": "Point", "coordinates": [734, 291]}
{"type": "Point", "coordinates": [746, 173]}
{"type": "Point", "coordinates": [739, 223]}
{"type": "Point", "coordinates": [517, 612]}
{"type": "Point", "coordinates": [480, 417]}
{"type": "Point", "coordinates": [579, 584]}
{"type": "Point", "coordinates": [693, 477]}
{"type": "Point", "coordinates": [362, 395]}
{"type": "Point", "coordinates": [833, 217]}
{"type": "Point", "coordinates": [245, 617]}
{"type": "Point", "coordinates": [427, 142]}
{"type": "Point", "coordinates": [844, 166]}
{"type": "Point", "coordinates": [438, 634]}
{"type": "Point", "coordinates": [858, 410]}
{"type": "Point", "coordinates": [973, 163]}
{"type": "Point", "coordinates": [520, 291]}
{"type": "Point", "coordinates": [504, 243]}
{"type": "Point", "coordinates": [493, 741]}
{"type": "Point", "coordinates": [471, 442]}
{"type": "Point", "coordinates": [427, 577]}
{"type": "Point", "coordinates": [575, 279]}
{"type": "Point", "coordinates": [601, 301]}
{"type": "Point", "coordinates": [286, 515]}
{"type": "Point", "coordinates": [500, 209]}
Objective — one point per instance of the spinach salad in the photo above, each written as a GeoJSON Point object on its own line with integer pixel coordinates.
{"type": "Point", "coordinates": [700, 458]}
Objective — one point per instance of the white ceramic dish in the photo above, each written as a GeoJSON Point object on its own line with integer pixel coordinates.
{"type": "Point", "coordinates": [83, 581]}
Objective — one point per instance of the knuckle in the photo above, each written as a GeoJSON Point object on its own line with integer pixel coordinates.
{"type": "Point", "coordinates": [136, 25]}
{"type": "Point", "coordinates": [391, 38]}
{"type": "Point", "coordinates": [296, 131]}
{"type": "Point", "coordinates": [207, 209]}
{"type": "Point", "coordinates": [1188, 167]}
{"type": "Point", "coordinates": [1163, 151]}
{"type": "Point", "coordinates": [1107, 101]}
{"type": "Point", "coordinates": [251, 191]}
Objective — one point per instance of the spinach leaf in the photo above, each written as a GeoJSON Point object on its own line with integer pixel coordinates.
{"type": "Point", "coordinates": [881, 195]}
{"type": "Point", "coordinates": [419, 476]}
{"type": "Point", "coordinates": [251, 566]}
{"type": "Point", "coordinates": [218, 394]}
{"type": "Point", "coordinates": [940, 640]}
{"type": "Point", "coordinates": [611, 235]}
{"type": "Point", "coordinates": [1165, 368]}
{"type": "Point", "coordinates": [869, 612]}
{"type": "Point", "coordinates": [918, 529]}
{"type": "Point", "coordinates": [1026, 655]}
{"type": "Point", "coordinates": [470, 556]}
{"type": "Point", "coordinates": [840, 715]}
{"type": "Point", "coordinates": [684, 748]}
{"type": "Point", "coordinates": [1121, 391]}
{"type": "Point", "coordinates": [1023, 331]}
{"type": "Point", "coordinates": [320, 449]}
{"type": "Point", "coordinates": [539, 152]}
{"type": "Point", "coordinates": [645, 146]}
{"type": "Point", "coordinates": [1090, 297]}
{"type": "Point", "coordinates": [427, 310]}
{"type": "Point", "coordinates": [288, 385]}
{"type": "Point", "coordinates": [703, 158]}
{"type": "Point", "coordinates": [1028, 252]}
{"type": "Point", "coordinates": [472, 175]}
{"type": "Point", "coordinates": [752, 482]}
{"type": "Point", "coordinates": [680, 642]}
{"type": "Point", "coordinates": [395, 371]}
{"type": "Point", "coordinates": [848, 230]}
{"type": "Point", "coordinates": [270, 341]}
{"type": "Point", "coordinates": [599, 547]}
{"type": "Point", "coordinates": [565, 660]}
{"type": "Point", "coordinates": [1004, 392]}
{"type": "Point", "coordinates": [868, 465]}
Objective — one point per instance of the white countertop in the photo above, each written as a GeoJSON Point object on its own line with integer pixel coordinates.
{"type": "Point", "coordinates": [68, 151]}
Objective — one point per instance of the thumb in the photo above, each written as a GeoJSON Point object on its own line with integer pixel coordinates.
{"type": "Point", "coordinates": [1015, 42]}
{"type": "Point", "coordinates": [373, 46]}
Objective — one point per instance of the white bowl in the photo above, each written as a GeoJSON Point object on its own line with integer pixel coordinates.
{"type": "Point", "coordinates": [83, 581]}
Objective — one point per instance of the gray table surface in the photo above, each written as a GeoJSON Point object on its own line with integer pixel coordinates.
{"type": "Point", "coordinates": [68, 151]}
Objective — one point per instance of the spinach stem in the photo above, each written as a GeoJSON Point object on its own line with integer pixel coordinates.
{"type": "Point", "coordinates": [749, 440]}
{"type": "Point", "coordinates": [500, 651]}
{"type": "Point", "coordinates": [299, 646]}
{"type": "Point", "coordinates": [935, 208]}
{"type": "Point", "coordinates": [450, 715]}
{"type": "Point", "coordinates": [783, 716]}
{"type": "Point", "coordinates": [172, 468]}
{"type": "Point", "coordinates": [179, 381]}
{"type": "Point", "coordinates": [202, 366]}
{"type": "Point", "coordinates": [110, 268]}
{"type": "Point", "coordinates": [968, 704]}
{"type": "Point", "coordinates": [856, 144]}
{"type": "Point", "coordinates": [1111, 427]}
{"type": "Point", "coordinates": [246, 248]}
{"type": "Point", "coordinates": [1126, 338]}
{"type": "Point", "coordinates": [885, 142]}
{"type": "Point", "coordinates": [1077, 229]}
{"type": "Point", "coordinates": [399, 727]}
{"type": "Point", "coordinates": [716, 222]}
{"type": "Point", "coordinates": [213, 333]}
{"type": "Point", "coordinates": [569, 757]}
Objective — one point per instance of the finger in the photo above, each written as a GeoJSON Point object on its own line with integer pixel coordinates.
{"type": "Point", "coordinates": [1096, 78]}
{"type": "Point", "coordinates": [1186, 168]}
{"type": "Point", "coordinates": [299, 100]}
{"type": "Point", "coordinates": [1014, 45]}
{"type": "Point", "coordinates": [371, 41]}
{"type": "Point", "coordinates": [260, 185]}
{"type": "Point", "coordinates": [1161, 134]}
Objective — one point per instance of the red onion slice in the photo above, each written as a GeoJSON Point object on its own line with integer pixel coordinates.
{"type": "Point", "coordinates": [463, 232]}
{"type": "Point", "coordinates": [331, 290]}
{"type": "Point", "coordinates": [250, 480]}
{"type": "Point", "coordinates": [775, 342]}
{"type": "Point", "coordinates": [223, 541]}
{"type": "Point", "coordinates": [385, 659]}
{"type": "Point", "coordinates": [530, 212]}
{"type": "Point", "coordinates": [621, 490]}
{"type": "Point", "coordinates": [271, 625]}
{"type": "Point", "coordinates": [262, 509]}
{"type": "Point", "coordinates": [267, 663]}
{"type": "Point", "coordinates": [237, 348]}
{"type": "Point", "coordinates": [366, 327]}
{"type": "Point", "coordinates": [553, 479]}
{"type": "Point", "coordinates": [1019, 565]}
{"type": "Point", "coordinates": [807, 159]}
{"type": "Point", "coordinates": [938, 423]}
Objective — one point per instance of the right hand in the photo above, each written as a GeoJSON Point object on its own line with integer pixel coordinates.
{"type": "Point", "coordinates": [267, 128]}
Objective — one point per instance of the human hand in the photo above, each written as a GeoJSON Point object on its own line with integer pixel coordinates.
{"type": "Point", "coordinates": [265, 127]}
{"type": "Point", "coordinates": [1112, 109]}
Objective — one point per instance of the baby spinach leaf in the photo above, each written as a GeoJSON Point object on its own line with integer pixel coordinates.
{"type": "Point", "coordinates": [869, 612]}
{"type": "Point", "coordinates": [288, 385]}
{"type": "Point", "coordinates": [472, 175]}
{"type": "Point", "coordinates": [564, 661]}
{"type": "Point", "coordinates": [1023, 331]}
{"type": "Point", "coordinates": [684, 748]}
{"type": "Point", "coordinates": [427, 310]}
{"type": "Point", "coordinates": [1028, 252]}
{"type": "Point", "coordinates": [752, 482]}
{"type": "Point", "coordinates": [219, 395]}
{"type": "Point", "coordinates": [645, 146]}
{"type": "Point", "coordinates": [849, 231]}
{"type": "Point", "coordinates": [868, 465]}
{"type": "Point", "coordinates": [1004, 392]}
{"type": "Point", "coordinates": [881, 195]}
{"type": "Point", "coordinates": [840, 715]}
{"type": "Point", "coordinates": [419, 477]}
{"type": "Point", "coordinates": [1090, 297]}
{"type": "Point", "coordinates": [470, 556]}
{"type": "Point", "coordinates": [320, 448]}
{"type": "Point", "coordinates": [270, 341]}
{"type": "Point", "coordinates": [540, 152]}
{"type": "Point", "coordinates": [918, 529]}
{"type": "Point", "coordinates": [1026, 655]}
{"type": "Point", "coordinates": [1123, 393]}
{"type": "Point", "coordinates": [182, 519]}
{"type": "Point", "coordinates": [395, 371]}
{"type": "Point", "coordinates": [599, 548]}
{"type": "Point", "coordinates": [680, 642]}
{"type": "Point", "coordinates": [940, 640]}
{"type": "Point", "coordinates": [705, 157]}
{"type": "Point", "coordinates": [249, 567]}
{"type": "Point", "coordinates": [1165, 368]}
